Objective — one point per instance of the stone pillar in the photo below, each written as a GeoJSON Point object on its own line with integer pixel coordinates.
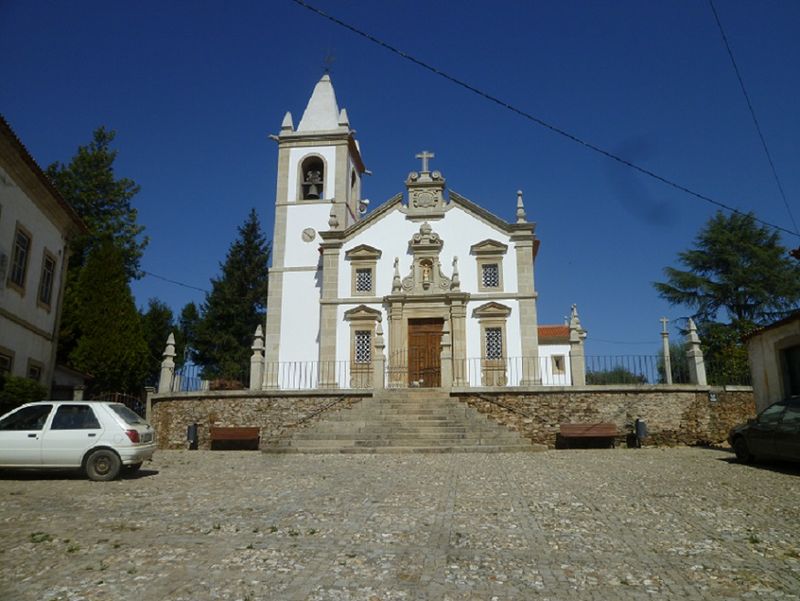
{"type": "Point", "coordinates": [328, 311]}
{"type": "Point", "coordinates": [148, 407]}
{"type": "Point", "coordinates": [167, 366]}
{"type": "Point", "coordinates": [398, 354]}
{"type": "Point", "coordinates": [697, 366]}
{"type": "Point", "coordinates": [665, 351]}
{"type": "Point", "coordinates": [525, 246]}
{"type": "Point", "coordinates": [446, 359]}
{"type": "Point", "coordinates": [577, 358]}
{"type": "Point", "coordinates": [458, 323]}
{"type": "Point", "coordinates": [77, 392]}
{"type": "Point", "coordinates": [257, 360]}
{"type": "Point", "coordinates": [379, 361]}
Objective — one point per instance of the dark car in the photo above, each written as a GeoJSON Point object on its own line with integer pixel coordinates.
{"type": "Point", "coordinates": [774, 434]}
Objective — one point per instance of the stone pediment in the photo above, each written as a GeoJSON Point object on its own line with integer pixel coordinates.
{"type": "Point", "coordinates": [488, 247]}
{"type": "Point", "coordinates": [492, 309]}
{"type": "Point", "coordinates": [363, 252]}
{"type": "Point", "coordinates": [362, 312]}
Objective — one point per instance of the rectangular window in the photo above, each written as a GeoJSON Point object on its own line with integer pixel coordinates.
{"type": "Point", "coordinates": [6, 362]}
{"type": "Point", "coordinates": [363, 350]}
{"type": "Point", "coordinates": [490, 275]}
{"type": "Point", "coordinates": [364, 280]}
{"type": "Point", "coordinates": [19, 259]}
{"type": "Point", "coordinates": [494, 343]}
{"type": "Point", "coordinates": [34, 372]}
{"type": "Point", "coordinates": [46, 281]}
{"type": "Point", "coordinates": [558, 364]}
{"type": "Point", "coordinates": [75, 417]}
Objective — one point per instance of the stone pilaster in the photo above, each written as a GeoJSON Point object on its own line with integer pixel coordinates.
{"type": "Point", "coordinates": [328, 318]}
{"type": "Point", "coordinates": [524, 243]}
{"type": "Point", "coordinates": [446, 359]}
{"type": "Point", "coordinates": [379, 361]}
{"type": "Point", "coordinates": [458, 324]}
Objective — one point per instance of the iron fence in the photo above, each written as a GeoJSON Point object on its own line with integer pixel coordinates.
{"type": "Point", "coordinates": [135, 403]}
{"type": "Point", "coordinates": [402, 369]}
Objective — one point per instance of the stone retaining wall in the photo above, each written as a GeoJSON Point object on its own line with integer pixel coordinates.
{"type": "Point", "coordinates": [674, 414]}
{"type": "Point", "coordinates": [275, 415]}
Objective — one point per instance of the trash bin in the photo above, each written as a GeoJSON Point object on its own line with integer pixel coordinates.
{"type": "Point", "coordinates": [640, 430]}
{"type": "Point", "coordinates": [191, 437]}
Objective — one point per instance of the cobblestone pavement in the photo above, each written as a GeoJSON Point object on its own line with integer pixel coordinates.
{"type": "Point", "coordinates": [586, 525]}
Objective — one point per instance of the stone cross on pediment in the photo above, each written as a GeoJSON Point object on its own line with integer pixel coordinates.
{"type": "Point", "coordinates": [424, 156]}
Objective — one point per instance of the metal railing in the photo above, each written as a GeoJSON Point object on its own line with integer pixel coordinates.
{"type": "Point", "coordinates": [400, 372]}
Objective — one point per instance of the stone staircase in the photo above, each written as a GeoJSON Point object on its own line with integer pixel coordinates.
{"type": "Point", "coordinates": [415, 420]}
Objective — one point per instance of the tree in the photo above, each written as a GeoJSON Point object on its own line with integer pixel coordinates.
{"type": "Point", "coordinates": [235, 306]}
{"type": "Point", "coordinates": [615, 375]}
{"type": "Point", "coordinates": [187, 333]}
{"type": "Point", "coordinates": [738, 271]}
{"type": "Point", "coordinates": [678, 361]}
{"type": "Point", "coordinates": [739, 276]}
{"type": "Point", "coordinates": [88, 183]}
{"type": "Point", "coordinates": [111, 346]}
{"type": "Point", "coordinates": [103, 202]}
{"type": "Point", "coordinates": [157, 324]}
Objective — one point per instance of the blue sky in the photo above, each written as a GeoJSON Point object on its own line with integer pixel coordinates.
{"type": "Point", "coordinates": [194, 88]}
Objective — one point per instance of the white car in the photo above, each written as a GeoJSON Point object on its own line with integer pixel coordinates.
{"type": "Point", "coordinates": [98, 437]}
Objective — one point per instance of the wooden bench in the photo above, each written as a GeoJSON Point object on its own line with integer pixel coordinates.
{"type": "Point", "coordinates": [602, 432]}
{"type": "Point", "coordinates": [235, 438]}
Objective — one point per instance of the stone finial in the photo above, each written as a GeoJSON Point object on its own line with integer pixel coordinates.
{"type": "Point", "coordinates": [455, 283]}
{"type": "Point", "coordinates": [333, 220]}
{"type": "Point", "coordinates": [343, 119]}
{"type": "Point", "coordinates": [169, 350]}
{"type": "Point", "coordinates": [257, 360]}
{"type": "Point", "coordinates": [665, 351]}
{"type": "Point", "coordinates": [397, 284]}
{"type": "Point", "coordinates": [167, 366]}
{"type": "Point", "coordinates": [697, 366]}
{"type": "Point", "coordinates": [576, 332]}
{"type": "Point", "coordinates": [379, 342]}
{"type": "Point", "coordinates": [691, 335]}
{"type": "Point", "coordinates": [521, 217]}
{"type": "Point", "coordinates": [288, 124]}
{"type": "Point", "coordinates": [258, 340]}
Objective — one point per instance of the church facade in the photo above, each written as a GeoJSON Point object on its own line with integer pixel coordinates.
{"type": "Point", "coordinates": [429, 287]}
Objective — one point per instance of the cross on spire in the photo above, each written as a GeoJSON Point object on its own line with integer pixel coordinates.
{"type": "Point", "coordinates": [664, 321]}
{"type": "Point", "coordinates": [424, 156]}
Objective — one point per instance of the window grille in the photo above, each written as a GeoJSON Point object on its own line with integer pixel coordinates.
{"type": "Point", "coordinates": [494, 343]}
{"type": "Point", "coordinates": [363, 280]}
{"type": "Point", "coordinates": [363, 350]}
{"type": "Point", "coordinates": [491, 275]}
{"type": "Point", "coordinates": [46, 283]}
{"type": "Point", "coordinates": [19, 263]}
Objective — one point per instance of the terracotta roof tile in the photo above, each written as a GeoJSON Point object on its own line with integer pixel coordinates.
{"type": "Point", "coordinates": [553, 333]}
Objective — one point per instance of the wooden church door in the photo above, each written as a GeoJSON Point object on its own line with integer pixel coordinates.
{"type": "Point", "coordinates": [424, 352]}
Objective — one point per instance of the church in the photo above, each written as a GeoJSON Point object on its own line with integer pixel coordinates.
{"type": "Point", "coordinates": [426, 290]}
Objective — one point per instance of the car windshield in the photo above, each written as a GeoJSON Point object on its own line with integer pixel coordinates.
{"type": "Point", "coordinates": [126, 414]}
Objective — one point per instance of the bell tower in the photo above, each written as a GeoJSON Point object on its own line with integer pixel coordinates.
{"type": "Point", "coordinates": [318, 189]}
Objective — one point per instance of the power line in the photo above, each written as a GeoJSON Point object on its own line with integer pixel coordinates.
{"type": "Point", "coordinates": [161, 277]}
{"type": "Point", "coordinates": [752, 112]}
{"type": "Point", "coordinates": [538, 121]}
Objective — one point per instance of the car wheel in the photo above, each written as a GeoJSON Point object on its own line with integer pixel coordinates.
{"type": "Point", "coordinates": [742, 451]}
{"type": "Point", "coordinates": [102, 465]}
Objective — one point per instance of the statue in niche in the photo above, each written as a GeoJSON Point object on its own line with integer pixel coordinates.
{"type": "Point", "coordinates": [426, 273]}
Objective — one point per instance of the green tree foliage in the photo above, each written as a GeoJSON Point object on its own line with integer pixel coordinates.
{"type": "Point", "coordinates": [157, 325]}
{"type": "Point", "coordinates": [738, 276]}
{"type": "Point", "coordinates": [187, 332]}
{"type": "Point", "coordinates": [88, 183]}
{"type": "Point", "coordinates": [738, 271]}
{"type": "Point", "coordinates": [103, 202]}
{"type": "Point", "coordinates": [615, 375]}
{"type": "Point", "coordinates": [235, 306]}
{"type": "Point", "coordinates": [16, 391]}
{"type": "Point", "coordinates": [112, 347]}
{"type": "Point", "coordinates": [678, 361]}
